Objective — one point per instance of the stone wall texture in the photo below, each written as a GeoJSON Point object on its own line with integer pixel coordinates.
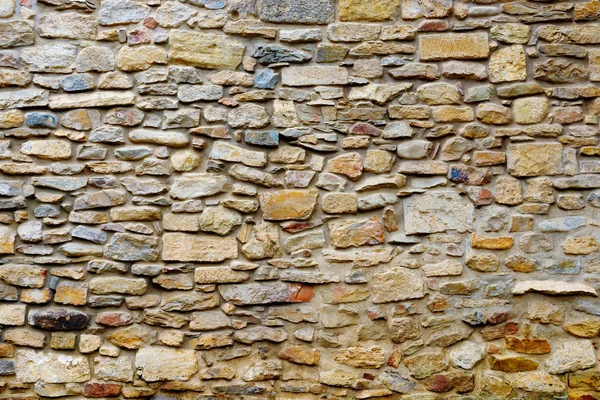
{"type": "Point", "coordinates": [299, 199]}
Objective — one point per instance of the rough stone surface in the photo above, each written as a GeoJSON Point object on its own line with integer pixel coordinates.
{"type": "Point", "coordinates": [299, 199]}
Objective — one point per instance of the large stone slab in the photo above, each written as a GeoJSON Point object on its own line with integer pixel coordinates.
{"type": "Point", "coordinates": [195, 186]}
{"type": "Point", "coordinates": [284, 205]}
{"type": "Point", "coordinates": [534, 159]}
{"type": "Point", "coordinates": [16, 33]}
{"type": "Point", "coordinates": [454, 46]}
{"type": "Point", "coordinates": [205, 50]}
{"type": "Point", "coordinates": [164, 364]}
{"type": "Point", "coordinates": [35, 366]}
{"type": "Point", "coordinates": [198, 248]}
{"type": "Point", "coordinates": [438, 212]}
{"type": "Point", "coordinates": [554, 288]}
{"type": "Point", "coordinates": [265, 293]}
{"type": "Point", "coordinates": [397, 284]}
{"type": "Point", "coordinates": [313, 76]}
{"type": "Point", "coordinates": [89, 100]}
{"type": "Point", "coordinates": [297, 11]}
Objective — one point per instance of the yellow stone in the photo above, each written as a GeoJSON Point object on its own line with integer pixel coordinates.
{"type": "Point", "coordinates": [140, 58]}
{"type": "Point", "coordinates": [454, 46]}
{"type": "Point", "coordinates": [583, 245]}
{"type": "Point", "coordinates": [373, 10]}
{"type": "Point", "coordinates": [452, 114]}
{"type": "Point", "coordinates": [587, 328]}
{"type": "Point", "coordinates": [491, 242]}
{"type": "Point", "coordinates": [11, 119]}
{"type": "Point", "coordinates": [284, 205]}
{"type": "Point", "coordinates": [508, 65]}
{"type": "Point", "coordinates": [205, 50]}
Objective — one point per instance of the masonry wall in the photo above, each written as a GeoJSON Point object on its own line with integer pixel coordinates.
{"type": "Point", "coordinates": [299, 199]}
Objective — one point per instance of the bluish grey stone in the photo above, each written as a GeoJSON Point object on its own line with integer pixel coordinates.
{"type": "Point", "coordinates": [276, 53]}
{"type": "Point", "coordinates": [297, 11]}
{"type": "Point", "coordinates": [267, 138]}
{"type": "Point", "coordinates": [132, 153]}
{"type": "Point", "coordinates": [90, 234]}
{"type": "Point", "coordinates": [46, 211]}
{"type": "Point", "coordinates": [107, 134]}
{"type": "Point", "coordinates": [565, 224]}
{"type": "Point", "coordinates": [266, 79]}
{"type": "Point", "coordinates": [78, 83]}
{"type": "Point", "coordinates": [7, 368]}
{"type": "Point", "coordinates": [479, 93]}
{"type": "Point", "coordinates": [40, 120]}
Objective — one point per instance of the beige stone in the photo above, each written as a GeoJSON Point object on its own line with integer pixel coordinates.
{"type": "Point", "coordinates": [185, 247]}
{"type": "Point", "coordinates": [508, 64]}
{"type": "Point", "coordinates": [204, 50]}
{"type": "Point", "coordinates": [535, 159]}
{"type": "Point", "coordinates": [453, 46]}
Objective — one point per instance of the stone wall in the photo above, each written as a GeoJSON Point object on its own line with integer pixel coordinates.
{"type": "Point", "coordinates": [299, 199]}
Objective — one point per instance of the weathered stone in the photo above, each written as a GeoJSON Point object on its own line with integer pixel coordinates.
{"type": "Point", "coordinates": [554, 287]}
{"type": "Point", "coordinates": [454, 46]}
{"type": "Point", "coordinates": [508, 65]}
{"type": "Point", "coordinates": [264, 293]}
{"type": "Point", "coordinates": [438, 212]}
{"type": "Point", "coordinates": [354, 10]}
{"type": "Point", "coordinates": [164, 364]}
{"type": "Point", "coordinates": [297, 11]}
{"type": "Point", "coordinates": [208, 50]}
{"type": "Point", "coordinates": [16, 33]}
{"type": "Point", "coordinates": [32, 367]}
{"type": "Point", "coordinates": [535, 159]}
{"type": "Point", "coordinates": [288, 204]}
{"type": "Point", "coordinates": [396, 285]}
{"type": "Point", "coordinates": [184, 247]}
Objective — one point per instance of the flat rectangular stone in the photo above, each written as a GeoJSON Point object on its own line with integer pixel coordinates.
{"type": "Point", "coordinates": [228, 152]}
{"type": "Point", "coordinates": [205, 50]}
{"type": "Point", "coordinates": [210, 275]}
{"type": "Point", "coordinates": [86, 100]}
{"type": "Point", "coordinates": [24, 98]}
{"type": "Point", "coordinates": [454, 46]}
{"type": "Point", "coordinates": [580, 34]}
{"type": "Point", "coordinates": [534, 159]}
{"type": "Point", "coordinates": [265, 293]}
{"type": "Point", "coordinates": [297, 11]}
{"type": "Point", "coordinates": [16, 33]}
{"type": "Point", "coordinates": [198, 248]}
{"type": "Point", "coordinates": [313, 76]}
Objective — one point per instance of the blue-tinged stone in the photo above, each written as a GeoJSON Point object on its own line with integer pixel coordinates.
{"type": "Point", "coordinates": [392, 61]}
{"type": "Point", "coordinates": [7, 367]}
{"type": "Point", "coordinates": [78, 83]}
{"type": "Point", "coordinates": [46, 211]}
{"type": "Point", "coordinates": [266, 79]}
{"type": "Point", "coordinates": [565, 224]}
{"type": "Point", "coordinates": [589, 307]}
{"type": "Point", "coordinates": [40, 120]}
{"type": "Point", "coordinates": [215, 4]}
{"type": "Point", "coordinates": [91, 234]}
{"type": "Point", "coordinates": [568, 266]}
{"type": "Point", "coordinates": [266, 138]}
{"type": "Point", "coordinates": [276, 53]}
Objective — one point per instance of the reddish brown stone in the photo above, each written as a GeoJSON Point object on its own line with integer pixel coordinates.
{"type": "Point", "coordinates": [114, 318]}
{"type": "Point", "coordinates": [301, 293]}
{"type": "Point", "coordinates": [363, 128]}
{"type": "Point", "coordinates": [445, 382]}
{"type": "Point", "coordinates": [97, 389]}
{"type": "Point", "coordinates": [498, 332]}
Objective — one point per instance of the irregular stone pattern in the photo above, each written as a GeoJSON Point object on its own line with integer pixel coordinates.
{"type": "Point", "coordinates": [299, 199]}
